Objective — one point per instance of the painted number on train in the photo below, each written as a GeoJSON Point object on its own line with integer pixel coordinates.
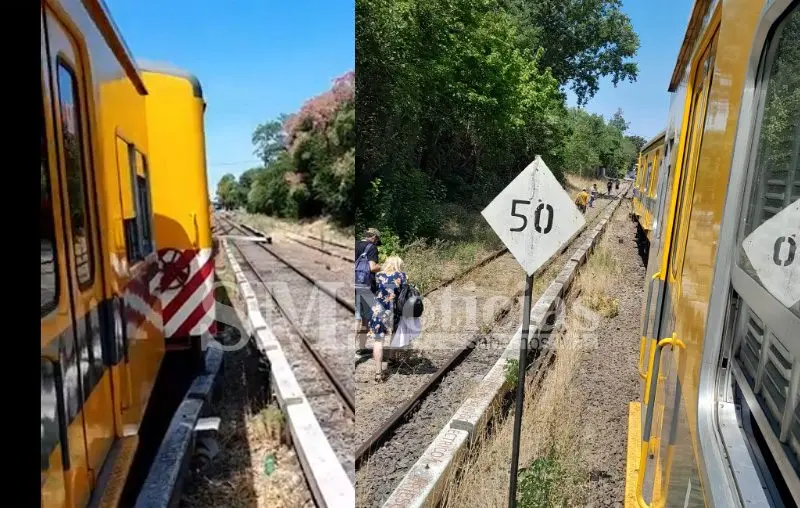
{"type": "Point", "coordinates": [772, 250]}
{"type": "Point", "coordinates": [534, 216]}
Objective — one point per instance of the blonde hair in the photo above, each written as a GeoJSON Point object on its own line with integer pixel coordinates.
{"type": "Point", "coordinates": [393, 264]}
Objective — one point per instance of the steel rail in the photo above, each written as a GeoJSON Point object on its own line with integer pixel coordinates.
{"type": "Point", "coordinates": [348, 305]}
{"type": "Point", "coordinates": [343, 392]}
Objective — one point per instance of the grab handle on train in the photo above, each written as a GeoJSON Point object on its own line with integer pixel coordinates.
{"type": "Point", "coordinates": [193, 217]}
{"type": "Point", "coordinates": [652, 377]}
{"type": "Point", "coordinates": [645, 325]}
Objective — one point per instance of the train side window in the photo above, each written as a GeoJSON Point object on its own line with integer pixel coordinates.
{"type": "Point", "coordinates": [48, 260]}
{"type": "Point", "coordinates": [73, 147]}
{"type": "Point", "coordinates": [53, 427]}
{"type": "Point", "coordinates": [771, 228]}
{"type": "Point", "coordinates": [132, 231]}
{"type": "Point", "coordinates": [143, 202]}
{"type": "Point", "coordinates": [138, 227]}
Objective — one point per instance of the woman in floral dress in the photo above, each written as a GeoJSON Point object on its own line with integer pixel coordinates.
{"type": "Point", "coordinates": [389, 281]}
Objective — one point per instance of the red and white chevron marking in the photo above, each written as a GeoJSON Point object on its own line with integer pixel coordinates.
{"type": "Point", "coordinates": [140, 296]}
{"type": "Point", "coordinates": [186, 282]}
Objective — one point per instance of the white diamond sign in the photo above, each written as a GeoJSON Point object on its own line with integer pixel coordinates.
{"type": "Point", "coordinates": [534, 216]}
{"type": "Point", "coordinates": [773, 249]}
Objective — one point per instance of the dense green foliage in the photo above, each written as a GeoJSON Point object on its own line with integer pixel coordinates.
{"type": "Point", "coordinates": [309, 161]}
{"type": "Point", "coordinates": [456, 97]}
{"type": "Point", "coordinates": [594, 143]}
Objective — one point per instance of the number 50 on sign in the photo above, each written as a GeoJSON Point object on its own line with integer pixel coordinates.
{"type": "Point", "coordinates": [534, 216]}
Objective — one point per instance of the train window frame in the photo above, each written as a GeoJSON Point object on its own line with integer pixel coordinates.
{"type": "Point", "coordinates": [141, 221]}
{"type": "Point", "coordinates": [687, 176]}
{"type": "Point", "coordinates": [753, 289]}
{"type": "Point", "coordinates": [52, 305]}
{"type": "Point", "coordinates": [63, 63]}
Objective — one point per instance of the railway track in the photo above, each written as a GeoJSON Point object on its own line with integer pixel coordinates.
{"type": "Point", "coordinates": [332, 248]}
{"type": "Point", "coordinates": [396, 442]}
{"type": "Point", "coordinates": [343, 388]}
{"type": "Point", "coordinates": [314, 335]}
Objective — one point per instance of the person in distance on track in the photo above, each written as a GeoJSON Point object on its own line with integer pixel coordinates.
{"type": "Point", "coordinates": [581, 200]}
{"type": "Point", "coordinates": [389, 281]}
{"type": "Point", "coordinates": [365, 291]}
{"type": "Point", "coordinates": [609, 184]}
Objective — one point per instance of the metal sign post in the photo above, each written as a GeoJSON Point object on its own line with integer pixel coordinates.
{"type": "Point", "coordinates": [523, 364]}
{"type": "Point", "coordinates": [534, 217]}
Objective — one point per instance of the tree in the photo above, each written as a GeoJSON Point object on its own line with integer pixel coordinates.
{"type": "Point", "coordinates": [268, 139]}
{"type": "Point", "coordinates": [309, 159]}
{"type": "Point", "coordinates": [637, 141]}
{"type": "Point", "coordinates": [618, 121]}
{"type": "Point", "coordinates": [581, 40]}
{"type": "Point", "coordinates": [595, 143]}
{"type": "Point", "coordinates": [228, 193]}
{"type": "Point", "coordinates": [450, 105]}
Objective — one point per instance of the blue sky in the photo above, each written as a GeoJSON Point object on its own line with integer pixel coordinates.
{"type": "Point", "coordinates": [255, 59]}
{"type": "Point", "coordinates": [660, 25]}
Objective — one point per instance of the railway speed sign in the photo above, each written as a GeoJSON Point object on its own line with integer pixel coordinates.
{"type": "Point", "coordinates": [534, 216]}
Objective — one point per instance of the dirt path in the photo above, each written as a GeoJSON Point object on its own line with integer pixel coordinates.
{"type": "Point", "coordinates": [607, 373]}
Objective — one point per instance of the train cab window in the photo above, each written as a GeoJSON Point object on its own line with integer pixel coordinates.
{"type": "Point", "coordinates": [52, 427]}
{"type": "Point", "coordinates": [74, 149]}
{"type": "Point", "coordinates": [48, 261]}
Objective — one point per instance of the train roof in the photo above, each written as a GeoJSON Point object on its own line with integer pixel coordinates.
{"type": "Point", "coordinates": [654, 140]}
{"type": "Point", "coordinates": [698, 21]}
{"type": "Point", "coordinates": [171, 70]}
{"type": "Point", "coordinates": [101, 16]}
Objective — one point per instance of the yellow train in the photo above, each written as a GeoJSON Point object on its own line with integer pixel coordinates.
{"type": "Point", "coordinates": [651, 176]}
{"type": "Point", "coordinates": [109, 210]}
{"type": "Point", "coordinates": [718, 422]}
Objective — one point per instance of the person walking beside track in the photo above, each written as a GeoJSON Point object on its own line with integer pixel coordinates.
{"type": "Point", "coordinates": [366, 267]}
{"type": "Point", "coordinates": [389, 281]}
{"type": "Point", "coordinates": [609, 184]}
{"type": "Point", "coordinates": [581, 200]}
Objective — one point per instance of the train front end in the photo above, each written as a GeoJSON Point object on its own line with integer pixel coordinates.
{"type": "Point", "coordinates": [181, 206]}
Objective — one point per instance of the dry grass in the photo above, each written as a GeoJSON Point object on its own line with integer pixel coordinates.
{"type": "Point", "coordinates": [249, 436]}
{"type": "Point", "coordinates": [549, 441]}
{"type": "Point", "coordinates": [551, 472]}
{"type": "Point", "coordinates": [576, 182]}
{"type": "Point", "coordinates": [320, 228]}
{"type": "Point", "coordinates": [597, 277]}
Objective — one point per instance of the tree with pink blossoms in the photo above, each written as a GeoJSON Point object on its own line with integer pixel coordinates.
{"type": "Point", "coordinates": [309, 159]}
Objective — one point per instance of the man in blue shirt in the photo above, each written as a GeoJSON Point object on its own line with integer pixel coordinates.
{"type": "Point", "coordinates": [365, 297]}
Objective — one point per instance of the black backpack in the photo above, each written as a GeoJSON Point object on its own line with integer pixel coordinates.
{"type": "Point", "coordinates": [408, 303]}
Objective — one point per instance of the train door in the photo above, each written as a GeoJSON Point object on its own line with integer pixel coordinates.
{"type": "Point", "coordinates": [667, 469]}
{"type": "Point", "coordinates": [136, 307]}
{"type": "Point", "coordinates": [83, 349]}
{"type": "Point", "coordinates": [763, 309]}
{"type": "Point", "coordinates": [63, 445]}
